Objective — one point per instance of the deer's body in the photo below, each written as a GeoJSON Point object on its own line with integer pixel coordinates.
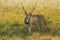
{"type": "Point", "coordinates": [33, 19]}
{"type": "Point", "coordinates": [37, 19]}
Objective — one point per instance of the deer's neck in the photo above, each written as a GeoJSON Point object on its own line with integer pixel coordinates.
{"type": "Point", "coordinates": [27, 19]}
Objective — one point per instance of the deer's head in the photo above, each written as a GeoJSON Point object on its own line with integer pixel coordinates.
{"type": "Point", "coordinates": [28, 14]}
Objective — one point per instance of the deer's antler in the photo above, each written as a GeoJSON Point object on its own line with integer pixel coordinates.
{"type": "Point", "coordinates": [33, 8]}
{"type": "Point", "coordinates": [24, 9]}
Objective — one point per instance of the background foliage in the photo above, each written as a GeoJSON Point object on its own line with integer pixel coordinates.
{"type": "Point", "coordinates": [12, 25]}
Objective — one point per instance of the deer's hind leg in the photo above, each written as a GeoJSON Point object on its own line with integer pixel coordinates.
{"type": "Point", "coordinates": [37, 26]}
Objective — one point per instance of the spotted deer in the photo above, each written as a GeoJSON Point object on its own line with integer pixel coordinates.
{"type": "Point", "coordinates": [33, 19]}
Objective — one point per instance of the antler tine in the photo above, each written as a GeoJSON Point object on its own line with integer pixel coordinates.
{"type": "Point", "coordinates": [33, 8]}
{"type": "Point", "coordinates": [24, 9]}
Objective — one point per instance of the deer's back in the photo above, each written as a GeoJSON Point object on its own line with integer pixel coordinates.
{"type": "Point", "coordinates": [37, 18]}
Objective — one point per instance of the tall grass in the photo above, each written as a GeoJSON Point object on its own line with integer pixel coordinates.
{"type": "Point", "coordinates": [12, 24]}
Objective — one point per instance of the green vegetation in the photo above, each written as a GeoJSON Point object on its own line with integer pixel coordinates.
{"type": "Point", "coordinates": [12, 25]}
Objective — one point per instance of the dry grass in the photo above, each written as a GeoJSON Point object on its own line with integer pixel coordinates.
{"type": "Point", "coordinates": [34, 36]}
{"type": "Point", "coordinates": [12, 17]}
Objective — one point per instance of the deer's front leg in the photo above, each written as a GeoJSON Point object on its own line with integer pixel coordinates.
{"type": "Point", "coordinates": [29, 28]}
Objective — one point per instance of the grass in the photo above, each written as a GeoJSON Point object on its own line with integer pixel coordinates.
{"type": "Point", "coordinates": [34, 36]}
{"type": "Point", "coordinates": [20, 32]}
{"type": "Point", "coordinates": [12, 25]}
